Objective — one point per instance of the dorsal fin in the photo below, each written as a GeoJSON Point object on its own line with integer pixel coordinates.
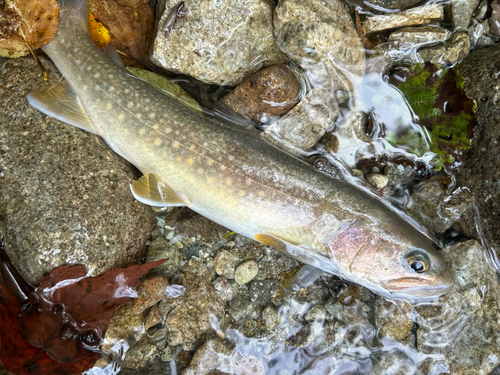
{"type": "Point", "coordinates": [150, 190]}
{"type": "Point", "coordinates": [62, 103]}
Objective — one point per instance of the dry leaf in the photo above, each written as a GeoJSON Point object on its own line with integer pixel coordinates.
{"type": "Point", "coordinates": [37, 20]}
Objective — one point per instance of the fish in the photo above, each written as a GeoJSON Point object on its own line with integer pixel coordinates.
{"type": "Point", "coordinates": [229, 174]}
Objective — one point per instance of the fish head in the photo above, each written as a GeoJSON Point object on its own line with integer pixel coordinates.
{"type": "Point", "coordinates": [395, 261]}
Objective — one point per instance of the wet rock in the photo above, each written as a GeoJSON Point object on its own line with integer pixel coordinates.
{"type": "Point", "coordinates": [412, 17]}
{"type": "Point", "coordinates": [240, 308]}
{"type": "Point", "coordinates": [435, 208]}
{"type": "Point", "coordinates": [461, 12]}
{"type": "Point", "coordinates": [261, 292]}
{"type": "Point", "coordinates": [170, 353]}
{"type": "Point", "coordinates": [378, 181]}
{"type": "Point", "coordinates": [217, 357]}
{"type": "Point", "coordinates": [189, 223]}
{"type": "Point", "coordinates": [399, 175]}
{"type": "Point", "coordinates": [218, 42]}
{"type": "Point", "coordinates": [449, 53]}
{"type": "Point", "coordinates": [316, 313]}
{"type": "Point", "coordinates": [54, 213]}
{"type": "Point", "coordinates": [246, 271]}
{"type": "Point", "coordinates": [305, 123]}
{"type": "Point", "coordinates": [140, 354]}
{"type": "Point", "coordinates": [394, 319]}
{"type": "Point", "coordinates": [153, 317]}
{"type": "Point", "coordinates": [225, 263]}
{"type": "Point", "coordinates": [479, 35]}
{"type": "Point", "coordinates": [319, 36]}
{"type": "Point", "coordinates": [151, 291]}
{"type": "Point", "coordinates": [388, 4]}
{"type": "Point", "coordinates": [463, 324]}
{"type": "Point", "coordinates": [494, 20]}
{"type": "Point", "coordinates": [271, 92]}
{"type": "Point", "coordinates": [271, 318]}
{"type": "Point", "coordinates": [190, 319]}
{"type": "Point", "coordinates": [223, 288]}
{"type": "Point", "coordinates": [161, 249]}
{"type": "Point", "coordinates": [417, 37]}
{"type": "Point", "coordinates": [124, 324]}
{"type": "Point", "coordinates": [480, 170]}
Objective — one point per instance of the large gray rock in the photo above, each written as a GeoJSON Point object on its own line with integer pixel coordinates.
{"type": "Point", "coordinates": [481, 165]}
{"type": "Point", "coordinates": [321, 38]}
{"type": "Point", "coordinates": [220, 42]}
{"type": "Point", "coordinates": [463, 324]}
{"type": "Point", "coordinates": [64, 195]}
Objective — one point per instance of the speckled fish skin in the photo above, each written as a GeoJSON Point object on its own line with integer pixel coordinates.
{"type": "Point", "coordinates": [236, 179]}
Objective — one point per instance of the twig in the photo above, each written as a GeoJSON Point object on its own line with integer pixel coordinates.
{"type": "Point", "coordinates": [44, 72]}
{"type": "Point", "coordinates": [361, 34]}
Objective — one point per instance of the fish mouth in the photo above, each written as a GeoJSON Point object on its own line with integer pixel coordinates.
{"type": "Point", "coordinates": [418, 287]}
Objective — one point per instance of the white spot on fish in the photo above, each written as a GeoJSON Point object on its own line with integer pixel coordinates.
{"type": "Point", "coordinates": [126, 91]}
{"type": "Point", "coordinates": [142, 131]}
{"type": "Point", "coordinates": [155, 126]}
{"type": "Point", "coordinates": [168, 130]}
{"type": "Point", "coordinates": [121, 116]}
{"type": "Point", "coordinates": [157, 142]}
{"type": "Point", "coordinates": [152, 115]}
{"type": "Point", "coordinates": [130, 104]}
{"type": "Point", "coordinates": [138, 115]}
{"type": "Point", "coordinates": [176, 144]}
{"type": "Point", "coordinates": [88, 68]}
{"type": "Point", "coordinates": [97, 75]}
{"type": "Point", "coordinates": [109, 105]}
{"type": "Point", "coordinates": [85, 88]}
{"type": "Point", "coordinates": [190, 161]}
{"type": "Point", "coordinates": [111, 88]}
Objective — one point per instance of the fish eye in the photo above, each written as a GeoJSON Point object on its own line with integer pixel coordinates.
{"type": "Point", "coordinates": [418, 261]}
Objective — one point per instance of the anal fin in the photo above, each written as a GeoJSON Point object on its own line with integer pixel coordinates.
{"type": "Point", "coordinates": [62, 103]}
{"type": "Point", "coordinates": [150, 190]}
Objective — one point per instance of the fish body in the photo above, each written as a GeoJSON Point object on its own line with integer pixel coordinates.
{"type": "Point", "coordinates": [233, 177]}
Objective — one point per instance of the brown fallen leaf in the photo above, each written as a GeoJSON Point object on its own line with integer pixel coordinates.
{"type": "Point", "coordinates": [130, 28]}
{"type": "Point", "coordinates": [25, 24]}
{"type": "Point", "coordinates": [70, 312]}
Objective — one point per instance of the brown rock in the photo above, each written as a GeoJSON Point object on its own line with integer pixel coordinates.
{"type": "Point", "coordinates": [150, 292]}
{"type": "Point", "coordinates": [272, 91]}
{"type": "Point", "coordinates": [130, 28]}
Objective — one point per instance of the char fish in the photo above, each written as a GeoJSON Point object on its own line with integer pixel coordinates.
{"type": "Point", "coordinates": [232, 176]}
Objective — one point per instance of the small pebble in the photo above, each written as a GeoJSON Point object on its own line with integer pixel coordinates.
{"type": "Point", "coordinates": [246, 271]}
{"type": "Point", "coordinates": [150, 292]}
{"type": "Point", "coordinates": [271, 318]}
{"type": "Point", "coordinates": [225, 263]}
{"type": "Point", "coordinates": [377, 180]}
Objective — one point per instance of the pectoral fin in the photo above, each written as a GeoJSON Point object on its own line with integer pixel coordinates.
{"type": "Point", "coordinates": [149, 190]}
{"type": "Point", "coordinates": [62, 103]}
{"type": "Point", "coordinates": [302, 254]}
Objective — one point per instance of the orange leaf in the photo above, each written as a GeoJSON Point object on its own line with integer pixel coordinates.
{"type": "Point", "coordinates": [98, 32]}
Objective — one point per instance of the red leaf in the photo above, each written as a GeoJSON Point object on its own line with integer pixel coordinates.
{"type": "Point", "coordinates": [69, 309]}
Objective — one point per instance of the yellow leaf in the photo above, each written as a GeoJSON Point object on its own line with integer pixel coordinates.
{"type": "Point", "coordinates": [98, 32]}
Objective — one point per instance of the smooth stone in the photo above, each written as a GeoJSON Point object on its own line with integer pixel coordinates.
{"type": "Point", "coordinates": [64, 195]}
{"type": "Point", "coordinates": [319, 36]}
{"type": "Point", "coordinates": [269, 93]}
{"type": "Point", "coordinates": [224, 288]}
{"type": "Point", "coordinates": [303, 126]}
{"type": "Point", "coordinates": [218, 42]}
{"type": "Point", "coordinates": [246, 271]}
{"type": "Point", "coordinates": [412, 17]}
{"type": "Point", "coordinates": [189, 320]}
{"type": "Point", "coordinates": [225, 263]}
{"type": "Point", "coordinates": [463, 324]}
{"type": "Point", "coordinates": [480, 170]}
{"type": "Point", "coordinates": [422, 36]}
{"type": "Point", "coordinates": [123, 325]}
{"type": "Point", "coordinates": [160, 249]}
{"type": "Point", "coordinates": [149, 293]}
{"type": "Point", "coordinates": [394, 319]}
{"type": "Point", "coordinates": [449, 53]}
{"type": "Point", "coordinates": [378, 181]}
{"type": "Point", "coordinates": [461, 12]}
{"type": "Point", "coordinates": [271, 318]}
